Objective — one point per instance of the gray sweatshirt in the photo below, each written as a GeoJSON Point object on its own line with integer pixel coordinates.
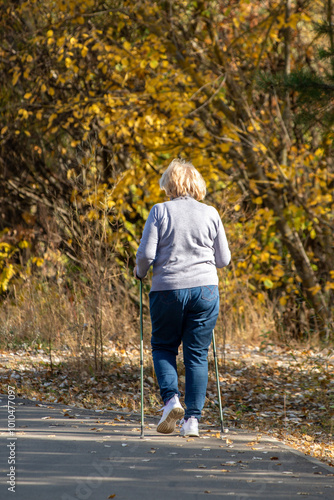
{"type": "Point", "coordinates": [185, 241]}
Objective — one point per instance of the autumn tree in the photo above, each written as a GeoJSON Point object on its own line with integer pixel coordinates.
{"type": "Point", "coordinates": [312, 82]}
{"type": "Point", "coordinates": [97, 97]}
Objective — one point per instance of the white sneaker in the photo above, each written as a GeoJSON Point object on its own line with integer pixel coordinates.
{"type": "Point", "coordinates": [190, 427]}
{"type": "Point", "coordinates": [173, 412]}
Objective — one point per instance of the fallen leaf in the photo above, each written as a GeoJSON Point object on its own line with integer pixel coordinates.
{"type": "Point", "coordinates": [249, 384]}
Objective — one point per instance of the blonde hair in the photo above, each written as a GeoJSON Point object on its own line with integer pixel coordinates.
{"type": "Point", "coordinates": [182, 179]}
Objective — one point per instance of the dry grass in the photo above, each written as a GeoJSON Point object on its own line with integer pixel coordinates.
{"type": "Point", "coordinates": [243, 319]}
{"type": "Point", "coordinates": [97, 306]}
{"type": "Point", "coordinates": [83, 303]}
{"type": "Point", "coordinates": [84, 309]}
{"type": "Point", "coordinates": [79, 304]}
{"type": "Point", "coordinates": [78, 319]}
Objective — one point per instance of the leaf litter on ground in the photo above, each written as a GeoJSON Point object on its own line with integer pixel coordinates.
{"type": "Point", "coordinates": [287, 393]}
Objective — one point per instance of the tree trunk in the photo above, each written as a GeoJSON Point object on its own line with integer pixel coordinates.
{"type": "Point", "coordinates": [286, 115]}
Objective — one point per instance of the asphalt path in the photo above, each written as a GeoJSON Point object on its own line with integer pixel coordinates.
{"type": "Point", "coordinates": [66, 453]}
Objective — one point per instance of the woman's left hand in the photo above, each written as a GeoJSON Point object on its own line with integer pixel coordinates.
{"type": "Point", "coordinates": [135, 273]}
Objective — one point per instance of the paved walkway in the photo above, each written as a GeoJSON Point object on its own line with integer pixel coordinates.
{"type": "Point", "coordinates": [64, 453]}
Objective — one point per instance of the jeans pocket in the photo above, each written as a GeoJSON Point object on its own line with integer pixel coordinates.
{"type": "Point", "coordinates": [209, 292]}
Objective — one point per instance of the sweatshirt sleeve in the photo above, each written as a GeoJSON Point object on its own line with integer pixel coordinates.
{"type": "Point", "coordinates": [221, 248]}
{"type": "Point", "coordinates": [147, 249]}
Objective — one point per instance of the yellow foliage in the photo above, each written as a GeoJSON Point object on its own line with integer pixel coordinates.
{"type": "Point", "coordinates": [283, 300]}
{"type": "Point", "coordinates": [6, 274]}
{"type": "Point", "coordinates": [314, 290]}
{"type": "Point", "coordinates": [38, 261]}
{"type": "Point", "coordinates": [23, 244]}
{"type": "Point", "coordinates": [116, 100]}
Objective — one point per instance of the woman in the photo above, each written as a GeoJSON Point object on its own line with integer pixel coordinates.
{"type": "Point", "coordinates": [185, 241]}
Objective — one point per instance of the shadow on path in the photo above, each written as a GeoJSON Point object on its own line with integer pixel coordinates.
{"type": "Point", "coordinates": [64, 453]}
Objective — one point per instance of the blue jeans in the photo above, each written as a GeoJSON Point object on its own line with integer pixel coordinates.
{"type": "Point", "coordinates": [188, 315]}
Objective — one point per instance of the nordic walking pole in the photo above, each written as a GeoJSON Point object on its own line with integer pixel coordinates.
{"type": "Point", "coordinates": [218, 384]}
{"type": "Point", "coordinates": [141, 360]}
